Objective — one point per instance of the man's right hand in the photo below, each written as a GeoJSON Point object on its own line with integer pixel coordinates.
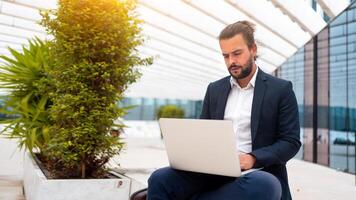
{"type": "Point", "coordinates": [246, 161]}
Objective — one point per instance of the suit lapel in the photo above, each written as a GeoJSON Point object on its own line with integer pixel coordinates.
{"type": "Point", "coordinates": [259, 92]}
{"type": "Point", "coordinates": [222, 99]}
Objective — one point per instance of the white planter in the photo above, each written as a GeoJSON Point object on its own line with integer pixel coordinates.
{"type": "Point", "coordinates": [38, 187]}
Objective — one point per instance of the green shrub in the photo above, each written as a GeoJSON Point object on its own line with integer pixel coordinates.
{"type": "Point", "coordinates": [25, 78]}
{"type": "Point", "coordinates": [64, 92]}
{"type": "Point", "coordinates": [170, 111]}
{"type": "Point", "coordinates": [95, 57]}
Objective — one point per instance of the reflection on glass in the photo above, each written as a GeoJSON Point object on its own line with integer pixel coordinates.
{"type": "Point", "coordinates": [336, 92]}
{"type": "Point", "coordinates": [146, 108]}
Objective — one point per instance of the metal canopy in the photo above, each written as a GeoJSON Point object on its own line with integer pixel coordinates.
{"type": "Point", "coordinates": [182, 36]}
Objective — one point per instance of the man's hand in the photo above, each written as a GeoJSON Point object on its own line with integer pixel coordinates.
{"type": "Point", "coordinates": [246, 161]}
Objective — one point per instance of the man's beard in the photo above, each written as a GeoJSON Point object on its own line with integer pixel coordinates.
{"type": "Point", "coordinates": [245, 70]}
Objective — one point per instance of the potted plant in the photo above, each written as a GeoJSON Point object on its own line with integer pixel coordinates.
{"type": "Point", "coordinates": [169, 111]}
{"type": "Point", "coordinates": [67, 102]}
{"type": "Point", "coordinates": [25, 78]}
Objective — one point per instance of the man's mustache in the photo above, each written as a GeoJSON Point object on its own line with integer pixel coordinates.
{"type": "Point", "coordinates": [234, 65]}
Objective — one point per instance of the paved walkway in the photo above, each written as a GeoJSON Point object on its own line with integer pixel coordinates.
{"type": "Point", "coordinates": [143, 155]}
{"type": "Point", "coordinates": [308, 181]}
{"type": "Point", "coordinates": [11, 170]}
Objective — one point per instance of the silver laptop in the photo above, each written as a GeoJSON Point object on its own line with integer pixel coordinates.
{"type": "Point", "coordinates": [206, 146]}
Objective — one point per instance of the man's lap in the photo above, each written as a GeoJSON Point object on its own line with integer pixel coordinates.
{"type": "Point", "coordinates": [191, 185]}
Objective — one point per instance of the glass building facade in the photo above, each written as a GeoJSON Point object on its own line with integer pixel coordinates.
{"type": "Point", "coordinates": [323, 73]}
{"type": "Point", "coordinates": [146, 108]}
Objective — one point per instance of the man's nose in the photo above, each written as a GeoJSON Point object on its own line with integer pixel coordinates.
{"type": "Point", "coordinates": [231, 60]}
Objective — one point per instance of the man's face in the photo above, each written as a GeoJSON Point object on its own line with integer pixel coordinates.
{"type": "Point", "coordinates": [239, 59]}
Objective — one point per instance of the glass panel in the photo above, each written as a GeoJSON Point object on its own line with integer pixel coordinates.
{"type": "Point", "coordinates": [336, 93]}
{"type": "Point", "coordinates": [341, 19]}
{"type": "Point", "coordinates": [351, 152]}
{"type": "Point", "coordinates": [300, 153]}
{"type": "Point", "coordinates": [351, 28]}
{"type": "Point", "coordinates": [338, 41]}
{"type": "Point", "coordinates": [351, 15]}
{"type": "Point", "coordinates": [338, 96]}
{"type": "Point", "coordinates": [173, 101]}
{"type": "Point", "coordinates": [336, 31]}
{"type": "Point", "coordinates": [135, 112]}
{"type": "Point", "coordinates": [293, 70]}
{"type": "Point", "coordinates": [186, 106]}
{"type": "Point", "coordinates": [351, 88]}
{"type": "Point", "coordinates": [323, 98]}
{"type": "Point", "coordinates": [148, 109]}
{"type": "Point", "coordinates": [338, 149]}
{"type": "Point", "coordinates": [198, 108]}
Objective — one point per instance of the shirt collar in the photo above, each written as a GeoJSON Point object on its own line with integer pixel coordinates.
{"type": "Point", "coordinates": [251, 83]}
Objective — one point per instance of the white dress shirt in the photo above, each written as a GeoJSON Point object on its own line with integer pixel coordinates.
{"type": "Point", "coordinates": [238, 110]}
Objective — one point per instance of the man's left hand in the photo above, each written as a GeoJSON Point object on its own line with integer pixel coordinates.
{"type": "Point", "coordinates": [246, 161]}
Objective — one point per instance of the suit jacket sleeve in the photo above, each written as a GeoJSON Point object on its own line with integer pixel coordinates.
{"type": "Point", "coordinates": [205, 113]}
{"type": "Point", "coordinates": [287, 141]}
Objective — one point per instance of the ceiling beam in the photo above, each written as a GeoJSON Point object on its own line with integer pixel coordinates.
{"type": "Point", "coordinates": [22, 4]}
{"type": "Point", "coordinates": [183, 48]}
{"type": "Point", "coordinates": [302, 14]}
{"type": "Point", "coordinates": [182, 37]}
{"type": "Point", "coordinates": [16, 16]}
{"type": "Point", "coordinates": [176, 19]}
{"type": "Point", "coordinates": [184, 58]}
{"type": "Point", "coordinates": [188, 2]}
{"type": "Point", "coordinates": [259, 22]}
{"type": "Point", "coordinates": [22, 28]}
{"type": "Point", "coordinates": [332, 7]}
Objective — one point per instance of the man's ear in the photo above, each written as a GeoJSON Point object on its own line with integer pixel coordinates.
{"type": "Point", "coordinates": [254, 50]}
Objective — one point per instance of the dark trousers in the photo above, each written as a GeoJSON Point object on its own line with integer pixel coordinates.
{"type": "Point", "coordinates": [170, 184]}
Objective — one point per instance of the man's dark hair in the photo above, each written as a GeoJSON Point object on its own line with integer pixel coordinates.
{"type": "Point", "coordinates": [246, 28]}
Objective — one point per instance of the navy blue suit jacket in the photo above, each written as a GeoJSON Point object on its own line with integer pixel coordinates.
{"type": "Point", "coordinates": [274, 122]}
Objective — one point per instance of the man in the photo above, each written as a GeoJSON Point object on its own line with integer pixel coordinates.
{"type": "Point", "coordinates": [264, 113]}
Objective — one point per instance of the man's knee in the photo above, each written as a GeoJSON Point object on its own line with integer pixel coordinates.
{"type": "Point", "coordinates": [166, 183]}
{"type": "Point", "coordinates": [266, 184]}
{"type": "Point", "coordinates": [160, 176]}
